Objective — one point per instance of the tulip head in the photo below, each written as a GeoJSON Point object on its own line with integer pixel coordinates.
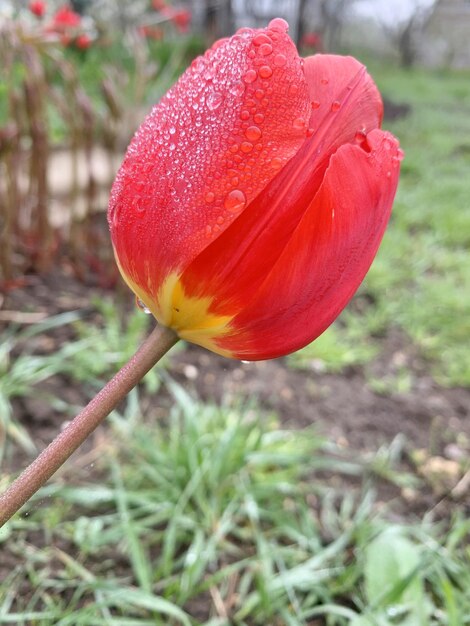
{"type": "Point", "coordinates": [37, 8]}
{"type": "Point", "coordinates": [253, 198]}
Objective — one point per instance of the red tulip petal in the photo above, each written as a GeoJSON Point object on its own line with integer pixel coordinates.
{"type": "Point", "coordinates": [234, 266]}
{"type": "Point", "coordinates": [201, 155]}
{"type": "Point", "coordinates": [330, 80]}
{"type": "Point", "coordinates": [326, 258]}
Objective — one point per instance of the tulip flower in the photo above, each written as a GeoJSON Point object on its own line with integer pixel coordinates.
{"type": "Point", "coordinates": [253, 198]}
{"type": "Point", "coordinates": [83, 41]}
{"type": "Point", "coordinates": [37, 8]}
{"type": "Point", "coordinates": [247, 211]}
{"type": "Point", "coordinates": [65, 19]}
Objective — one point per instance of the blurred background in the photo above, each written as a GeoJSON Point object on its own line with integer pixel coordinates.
{"type": "Point", "coordinates": [327, 488]}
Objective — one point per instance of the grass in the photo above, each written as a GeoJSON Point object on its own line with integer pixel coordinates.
{"type": "Point", "coordinates": [98, 351]}
{"type": "Point", "coordinates": [420, 280]}
{"type": "Point", "coordinates": [220, 517]}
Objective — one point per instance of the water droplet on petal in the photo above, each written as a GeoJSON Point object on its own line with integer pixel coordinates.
{"type": "Point", "coordinates": [253, 133]}
{"type": "Point", "coordinates": [209, 197]}
{"type": "Point", "coordinates": [261, 39]}
{"type": "Point", "coordinates": [280, 60]}
{"type": "Point", "coordinates": [246, 147]}
{"type": "Point", "coordinates": [235, 201]}
{"type": "Point", "coordinates": [360, 136]}
{"type": "Point", "coordinates": [259, 118]}
{"type": "Point", "coordinates": [298, 124]}
{"type": "Point", "coordinates": [276, 163]}
{"type": "Point", "coordinates": [335, 106]}
{"type": "Point", "coordinates": [293, 89]}
{"type": "Point", "coordinates": [324, 81]}
{"type": "Point", "coordinates": [245, 115]}
{"type": "Point", "coordinates": [214, 100]}
{"type": "Point", "coordinates": [279, 25]}
{"type": "Point", "coordinates": [219, 42]}
{"type": "Point", "coordinates": [237, 89]}
{"type": "Point", "coordinates": [142, 306]}
{"type": "Point", "coordinates": [266, 49]}
{"type": "Point", "coordinates": [250, 76]}
{"type": "Point", "coordinates": [265, 71]}
{"type": "Point", "coordinates": [315, 104]}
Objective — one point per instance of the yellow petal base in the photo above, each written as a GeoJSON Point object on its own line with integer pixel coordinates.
{"type": "Point", "coordinates": [188, 316]}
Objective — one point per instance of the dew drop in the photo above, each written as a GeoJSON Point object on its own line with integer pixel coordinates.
{"type": "Point", "coordinates": [276, 163]}
{"type": "Point", "coordinates": [237, 89]}
{"type": "Point", "coordinates": [259, 118]}
{"type": "Point", "coordinates": [235, 201]}
{"type": "Point", "coordinates": [234, 148]}
{"type": "Point", "coordinates": [245, 115]}
{"type": "Point", "coordinates": [400, 154]}
{"type": "Point", "coordinates": [250, 76]}
{"type": "Point", "coordinates": [279, 25]}
{"type": "Point", "coordinates": [253, 133]}
{"type": "Point", "coordinates": [310, 132]}
{"type": "Point", "coordinates": [219, 42]}
{"type": "Point", "coordinates": [266, 49]}
{"type": "Point", "coordinates": [315, 104]}
{"type": "Point", "coordinates": [265, 71]}
{"type": "Point", "coordinates": [142, 306]}
{"type": "Point", "coordinates": [214, 100]}
{"type": "Point", "coordinates": [293, 89]}
{"type": "Point", "coordinates": [335, 106]}
{"type": "Point", "coordinates": [360, 136]}
{"type": "Point", "coordinates": [280, 60]}
{"type": "Point", "coordinates": [252, 54]}
{"type": "Point", "coordinates": [246, 147]}
{"type": "Point", "coordinates": [260, 39]}
{"type": "Point", "coordinates": [209, 74]}
{"type": "Point", "coordinates": [298, 124]}
{"type": "Point", "coordinates": [172, 130]}
{"type": "Point", "coordinates": [259, 93]}
{"type": "Point", "coordinates": [209, 197]}
{"type": "Point", "coordinates": [324, 81]}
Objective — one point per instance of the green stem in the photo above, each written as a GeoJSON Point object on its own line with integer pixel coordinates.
{"type": "Point", "coordinates": [61, 448]}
